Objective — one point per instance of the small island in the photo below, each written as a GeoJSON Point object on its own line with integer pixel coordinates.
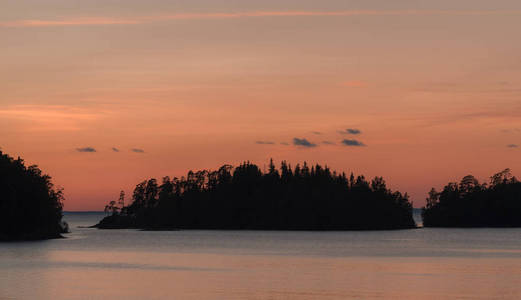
{"type": "Point", "coordinates": [244, 197]}
{"type": "Point", "coordinates": [30, 206]}
{"type": "Point", "coordinates": [474, 204]}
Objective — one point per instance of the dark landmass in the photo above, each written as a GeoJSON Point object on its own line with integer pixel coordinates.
{"type": "Point", "coordinates": [244, 197]}
{"type": "Point", "coordinates": [30, 206]}
{"type": "Point", "coordinates": [471, 204]}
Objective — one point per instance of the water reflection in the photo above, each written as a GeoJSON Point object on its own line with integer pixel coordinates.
{"type": "Point", "coordinates": [410, 264]}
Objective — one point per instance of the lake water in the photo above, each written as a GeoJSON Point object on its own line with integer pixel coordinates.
{"type": "Point", "coordinates": [130, 264]}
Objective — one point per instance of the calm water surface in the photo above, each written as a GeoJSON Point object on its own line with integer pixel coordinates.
{"type": "Point", "coordinates": [130, 264]}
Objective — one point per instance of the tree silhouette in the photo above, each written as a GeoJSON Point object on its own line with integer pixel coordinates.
{"type": "Point", "coordinates": [306, 198]}
{"type": "Point", "coordinates": [121, 200]}
{"type": "Point", "coordinates": [30, 206]}
{"type": "Point", "coordinates": [471, 204]}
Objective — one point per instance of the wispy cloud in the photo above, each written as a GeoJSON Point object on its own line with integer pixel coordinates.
{"type": "Point", "coordinates": [82, 21]}
{"type": "Point", "coordinates": [350, 131]}
{"type": "Point", "coordinates": [94, 21]}
{"type": "Point", "coordinates": [303, 143]}
{"type": "Point", "coordinates": [284, 143]}
{"type": "Point", "coordinates": [86, 149]}
{"type": "Point", "coordinates": [316, 132]}
{"type": "Point", "coordinates": [264, 142]}
{"type": "Point", "coordinates": [51, 117]}
{"type": "Point", "coordinates": [510, 112]}
{"type": "Point", "coordinates": [328, 143]}
{"type": "Point", "coordinates": [136, 150]}
{"type": "Point", "coordinates": [512, 145]}
{"type": "Point", "coordinates": [512, 130]}
{"type": "Point", "coordinates": [353, 143]}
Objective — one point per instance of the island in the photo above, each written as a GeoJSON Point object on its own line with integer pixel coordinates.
{"type": "Point", "coordinates": [244, 197]}
{"type": "Point", "coordinates": [30, 206]}
{"type": "Point", "coordinates": [470, 203]}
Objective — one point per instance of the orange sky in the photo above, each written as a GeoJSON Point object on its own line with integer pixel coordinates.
{"type": "Point", "coordinates": [433, 86]}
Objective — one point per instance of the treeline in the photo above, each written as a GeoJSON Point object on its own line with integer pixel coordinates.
{"type": "Point", "coordinates": [470, 203]}
{"type": "Point", "coordinates": [244, 197]}
{"type": "Point", "coordinates": [30, 206]}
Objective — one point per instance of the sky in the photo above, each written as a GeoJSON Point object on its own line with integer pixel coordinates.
{"type": "Point", "coordinates": [104, 94]}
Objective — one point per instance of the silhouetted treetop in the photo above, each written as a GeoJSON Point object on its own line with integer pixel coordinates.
{"type": "Point", "coordinates": [245, 197]}
{"type": "Point", "coordinates": [471, 204]}
{"type": "Point", "coordinates": [30, 206]}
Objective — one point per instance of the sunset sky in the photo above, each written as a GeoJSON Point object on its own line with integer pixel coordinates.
{"type": "Point", "coordinates": [102, 94]}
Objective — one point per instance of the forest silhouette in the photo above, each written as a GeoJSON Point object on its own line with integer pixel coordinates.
{"type": "Point", "coordinates": [30, 206]}
{"type": "Point", "coordinates": [244, 197]}
{"type": "Point", "coordinates": [474, 204]}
